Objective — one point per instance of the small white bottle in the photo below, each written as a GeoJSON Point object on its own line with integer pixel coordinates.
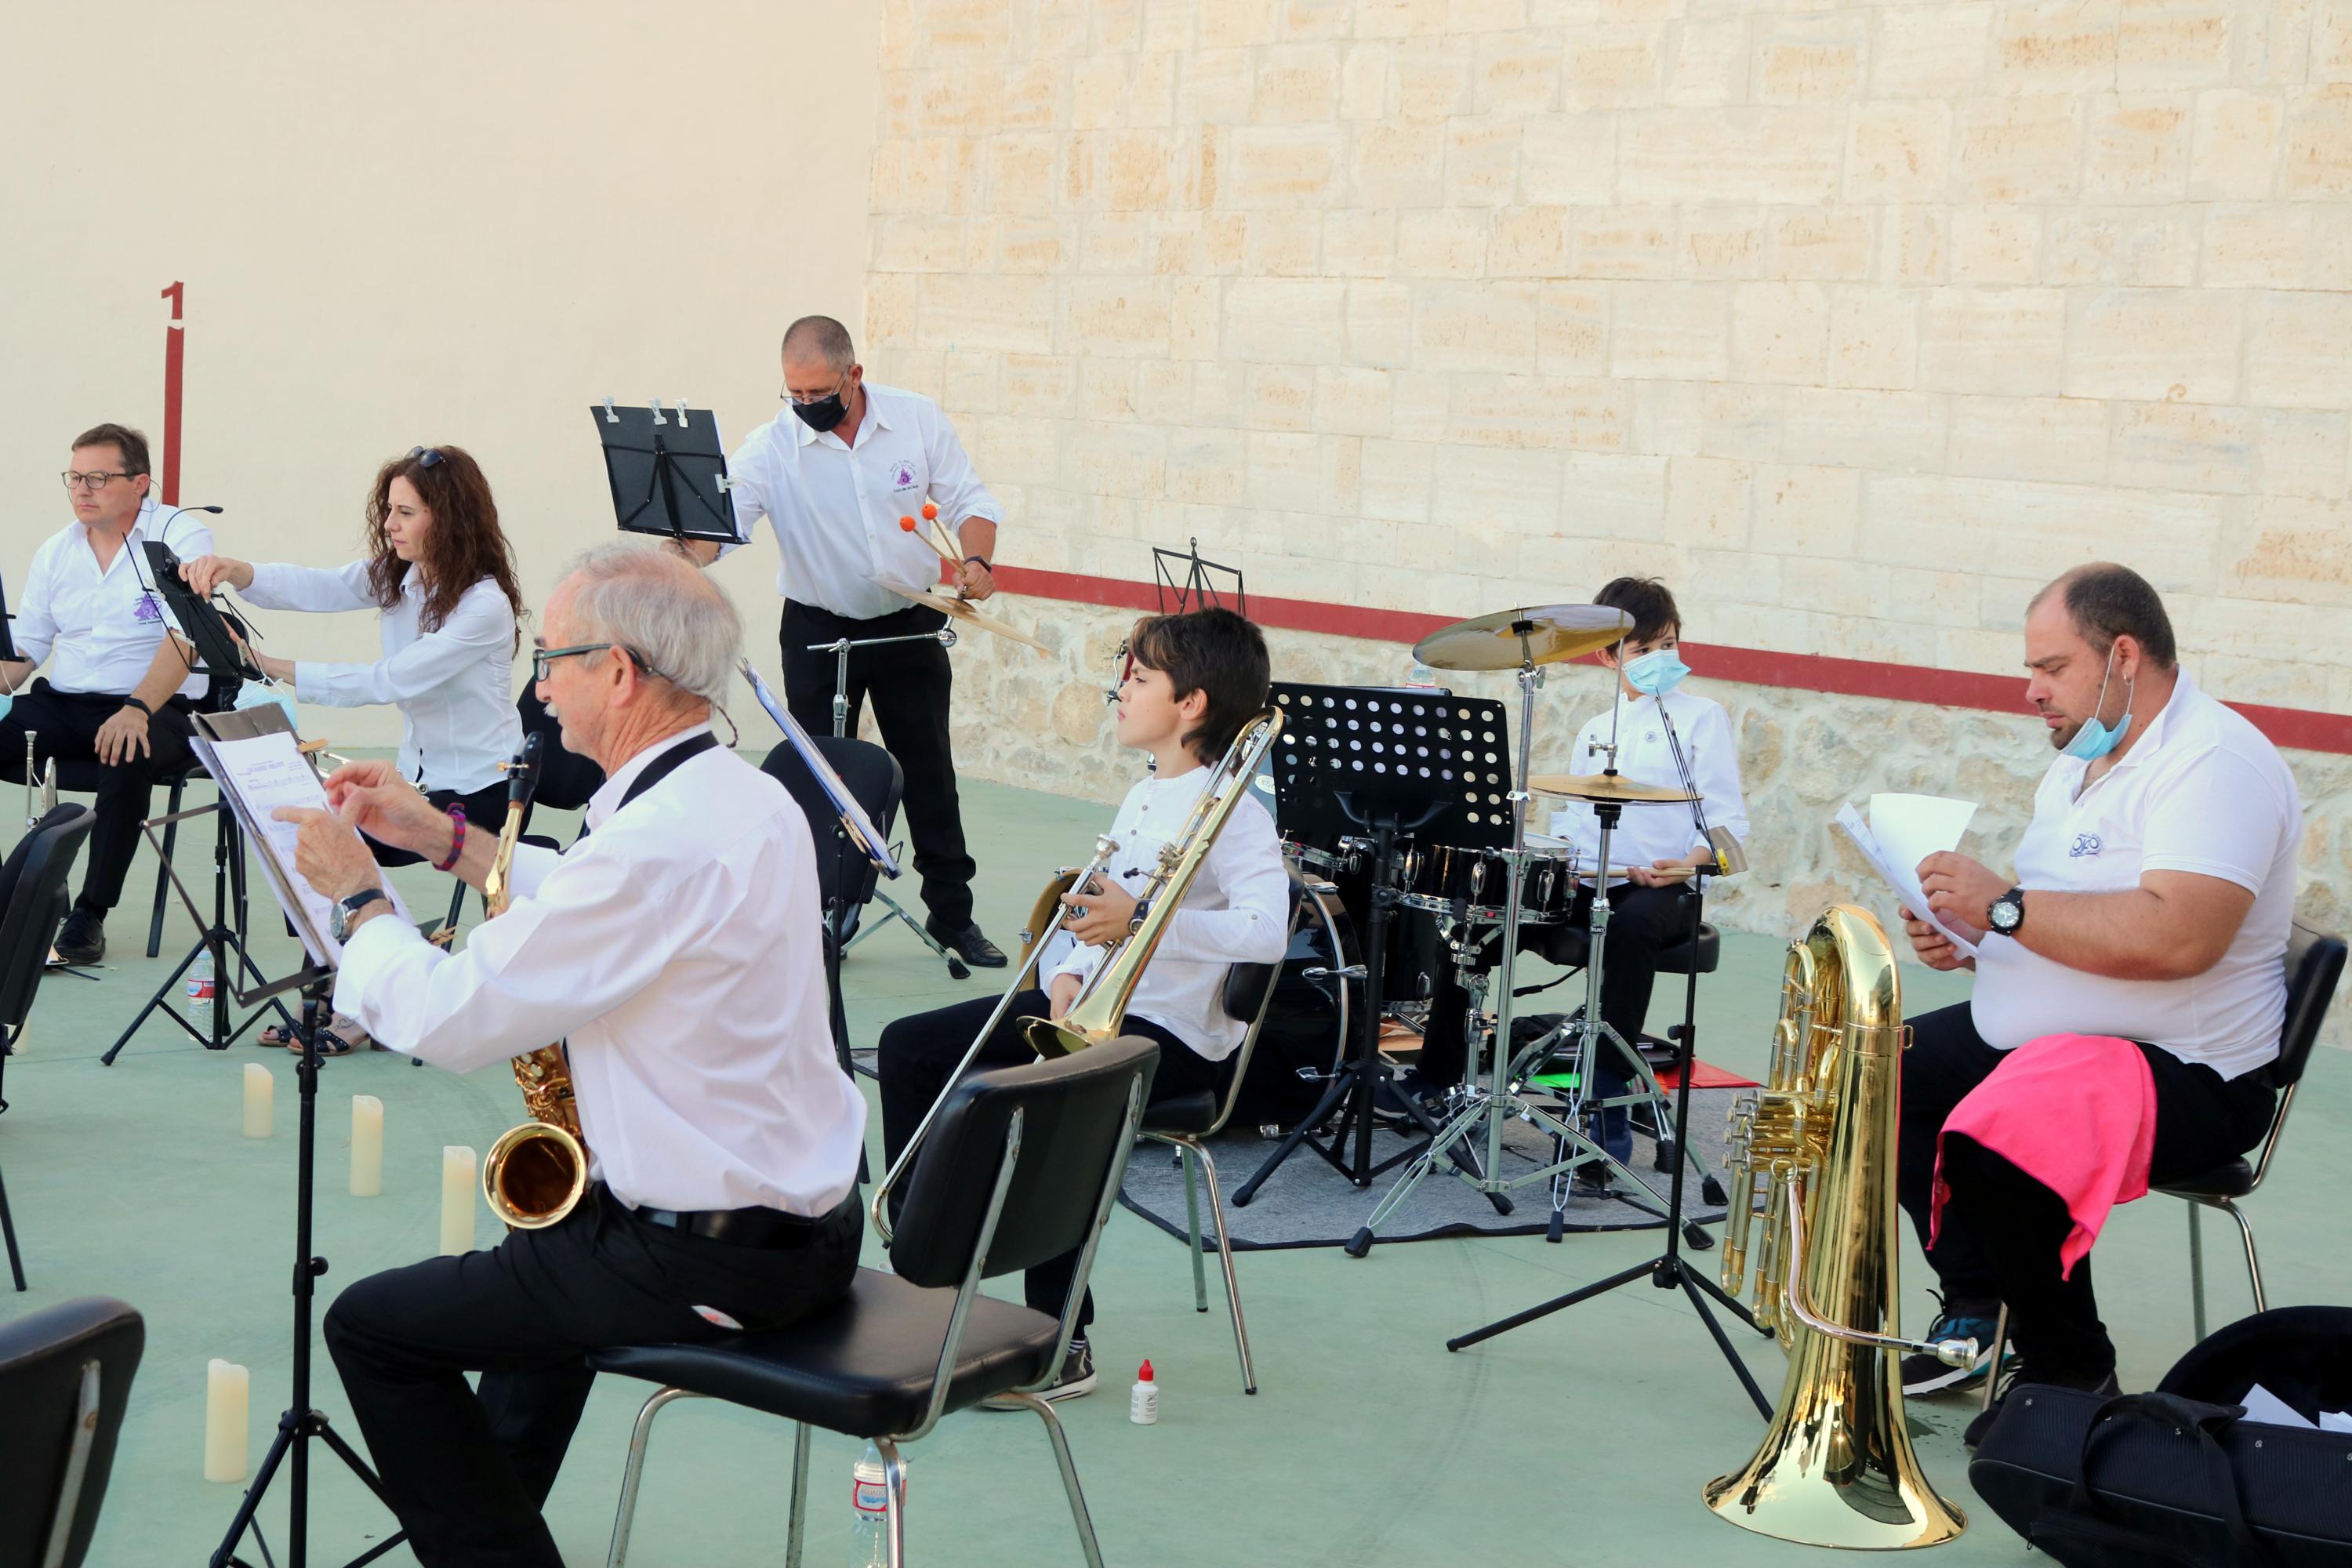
{"type": "Point", "coordinates": [869, 1536]}
{"type": "Point", "coordinates": [1143, 1399]}
{"type": "Point", "coordinates": [200, 985]}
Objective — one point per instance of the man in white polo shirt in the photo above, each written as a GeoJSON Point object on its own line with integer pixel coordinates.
{"type": "Point", "coordinates": [2153, 899]}
{"type": "Point", "coordinates": [834, 473]}
{"type": "Point", "coordinates": [118, 691]}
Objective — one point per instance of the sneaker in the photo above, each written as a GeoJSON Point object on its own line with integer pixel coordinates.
{"type": "Point", "coordinates": [1078, 1379]}
{"type": "Point", "coordinates": [968, 944]}
{"type": "Point", "coordinates": [2016, 1375]}
{"type": "Point", "coordinates": [1923, 1373]}
{"type": "Point", "coordinates": [82, 939]}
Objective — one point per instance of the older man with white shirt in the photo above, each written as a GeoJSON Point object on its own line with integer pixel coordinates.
{"type": "Point", "coordinates": [120, 687]}
{"type": "Point", "coordinates": [676, 947]}
{"type": "Point", "coordinates": [2152, 902]}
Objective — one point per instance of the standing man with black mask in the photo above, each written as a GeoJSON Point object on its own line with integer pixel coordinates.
{"type": "Point", "coordinates": [834, 473]}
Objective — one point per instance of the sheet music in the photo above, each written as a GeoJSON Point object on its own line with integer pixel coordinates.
{"type": "Point", "coordinates": [861, 827]}
{"type": "Point", "coordinates": [256, 776]}
{"type": "Point", "coordinates": [1903, 830]}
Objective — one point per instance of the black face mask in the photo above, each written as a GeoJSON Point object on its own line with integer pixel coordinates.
{"type": "Point", "coordinates": [824, 414]}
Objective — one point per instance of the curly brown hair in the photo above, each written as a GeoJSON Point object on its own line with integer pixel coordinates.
{"type": "Point", "coordinates": [464, 544]}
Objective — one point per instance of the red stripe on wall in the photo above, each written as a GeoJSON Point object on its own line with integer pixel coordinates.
{"type": "Point", "coordinates": [174, 347]}
{"type": "Point", "coordinates": [2293, 727]}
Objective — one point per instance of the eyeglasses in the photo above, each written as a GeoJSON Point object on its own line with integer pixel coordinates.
{"type": "Point", "coordinates": [804, 399]}
{"type": "Point", "coordinates": [541, 657]}
{"type": "Point", "coordinates": [91, 481]}
{"type": "Point", "coordinates": [427, 457]}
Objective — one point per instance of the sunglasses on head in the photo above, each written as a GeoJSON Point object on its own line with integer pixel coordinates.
{"type": "Point", "coordinates": [427, 456]}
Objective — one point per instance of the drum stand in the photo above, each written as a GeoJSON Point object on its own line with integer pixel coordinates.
{"type": "Point", "coordinates": [1499, 1101]}
{"type": "Point", "coordinates": [840, 649]}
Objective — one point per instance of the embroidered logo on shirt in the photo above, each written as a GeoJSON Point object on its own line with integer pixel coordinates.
{"type": "Point", "coordinates": [905, 479]}
{"type": "Point", "coordinates": [2084, 845]}
{"type": "Point", "coordinates": [147, 609]}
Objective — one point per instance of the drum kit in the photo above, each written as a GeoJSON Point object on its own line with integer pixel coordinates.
{"type": "Point", "coordinates": [1488, 896]}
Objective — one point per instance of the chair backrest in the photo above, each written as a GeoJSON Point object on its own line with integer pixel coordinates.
{"type": "Point", "coordinates": [872, 777]}
{"type": "Point", "coordinates": [64, 1381]}
{"type": "Point", "coordinates": [1075, 1130]}
{"type": "Point", "coordinates": [566, 779]}
{"type": "Point", "coordinates": [33, 905]}
{"type": "Point", "coordinates": [2315, 963]}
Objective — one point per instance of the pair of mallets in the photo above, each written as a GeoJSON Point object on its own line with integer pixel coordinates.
{"type": "Point", "coordinates": [936, 535]}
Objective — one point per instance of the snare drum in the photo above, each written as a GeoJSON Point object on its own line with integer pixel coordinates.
{"type": "Point", "coordinates": [1550, 884]}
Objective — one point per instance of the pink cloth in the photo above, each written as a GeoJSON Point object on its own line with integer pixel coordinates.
{"type": "Point", "coordinates": [2075, 1112]}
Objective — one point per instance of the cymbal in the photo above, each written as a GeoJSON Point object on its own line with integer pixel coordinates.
{"type": "Point", "coordinates": [1544, 634]}
{"type": "Point", "coordinates": [1607, 786]}
{"type": "Point", "coordinates": [965, 613]}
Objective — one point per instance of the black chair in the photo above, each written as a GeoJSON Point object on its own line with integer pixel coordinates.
{"type": "Point", "coordinates": [33, 902]}
{"type": "Point", "coordinates": [846, 878]}
{"type": "Point", "coordinates": [2315, 963]}
{"type": "Point", "coordinates": [1022, 1165]}
{"type": "Point", "coordinates": [65, 1382]}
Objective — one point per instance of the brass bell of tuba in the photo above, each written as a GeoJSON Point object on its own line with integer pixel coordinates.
{"type": "Point", "coordinates": [1817, 1143]}
{"type": "Point", "coordinates": [536, 1172]}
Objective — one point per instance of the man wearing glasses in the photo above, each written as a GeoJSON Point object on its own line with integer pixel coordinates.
{"type": "Point", "coordinates": [119, 691]}
{"type": "Point", "coordinates": [834, 473]}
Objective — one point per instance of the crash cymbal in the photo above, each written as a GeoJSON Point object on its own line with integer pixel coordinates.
{"type": "Point", "coordinates": [1606, 787]}
{"type": "Point", "coordinates": [964, 613]}
{"type": "Point", "coordinates": [1542, 633]}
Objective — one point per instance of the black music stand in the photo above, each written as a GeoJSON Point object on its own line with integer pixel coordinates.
{"type": "Point", "coordinates": [668, 471]}
{"type": "Point", "coordinates": [1198, 590]}
{"type": "Point", "coordinates": [1354, 762]}
{"type": "Point", "coordinates": [216, 647]}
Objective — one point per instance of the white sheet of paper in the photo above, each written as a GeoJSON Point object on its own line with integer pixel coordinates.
{"type": "Point", "coordinates": [2268, 1408]}
{"type": "Point", "coordinates": [259, 775]}
{"type": "Point", "coordinates": [1903, 830]}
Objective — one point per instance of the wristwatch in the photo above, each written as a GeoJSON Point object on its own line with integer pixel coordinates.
{"type": "Point", "coordinates": [340, 923]}
{"type": "Point", "coordinates": [2007, 912]}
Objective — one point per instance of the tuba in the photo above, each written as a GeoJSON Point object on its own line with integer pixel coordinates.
{"type": "Point", "coordinates": [535, 1173]}
{"type": "Point", "coordinates": [1817, 1143]}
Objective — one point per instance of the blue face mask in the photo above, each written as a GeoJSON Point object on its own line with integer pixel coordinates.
{"type": "Point", "coordinates": [253, 694]}
{"type": "Point", "coordinates": [2094, 739]}
{"type": "Point", "coordinates": [1656, 672]}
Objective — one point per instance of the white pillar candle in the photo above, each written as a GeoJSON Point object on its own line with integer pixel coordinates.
{"type": "Point", "coordinates": [225, 1386]}
{"type": "Point", "coordinates": [367, 1146]}
{"type": "Point", "coordinates": [457, 1201]}
{"type": "Point", "coordinates": [259, 1088]}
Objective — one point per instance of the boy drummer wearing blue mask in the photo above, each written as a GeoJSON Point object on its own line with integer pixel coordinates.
{"type": "Point", "coordinates": [1649, 851]}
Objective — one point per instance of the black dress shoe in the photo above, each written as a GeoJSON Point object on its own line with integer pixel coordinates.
{"type": "Point", "coordinates": [968, 944]}
{"type": "Point", "coordinates": [82, 939]}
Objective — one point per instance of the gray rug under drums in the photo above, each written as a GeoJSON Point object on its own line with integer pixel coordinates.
{"type": "Point", "coordinates": [1309, 1204]}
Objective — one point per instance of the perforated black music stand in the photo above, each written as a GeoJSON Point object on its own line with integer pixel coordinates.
{"type": "Point", "coordinates": [668, 471]}
{"type": "Point", "coordinates": [198, 616]}
{"type": "Point", "coordinates": [1367, 763]}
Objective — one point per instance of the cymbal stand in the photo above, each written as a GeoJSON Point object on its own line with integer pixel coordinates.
{"type": "Point", "coordinates": [1490, 1105]}
{"type": "Point", "coordinates": [841, 649]}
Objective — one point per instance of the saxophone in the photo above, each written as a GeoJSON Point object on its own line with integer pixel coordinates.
{"type": "Point", "coordinates": [535, 1173]}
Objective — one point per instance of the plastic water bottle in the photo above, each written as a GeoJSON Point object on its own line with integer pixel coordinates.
{"type": "Point", "coordinates": [200, 992]}
{"type": "Point", "coordinates": [1421, 675]}
{"type": "Point", "coordinates": [1143, 1399]}
{"type": "Point", "coordinates": [870, 1537]}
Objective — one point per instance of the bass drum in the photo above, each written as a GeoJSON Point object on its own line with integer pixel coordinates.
{"type": "Point", "coordinates": [1308, 1023]}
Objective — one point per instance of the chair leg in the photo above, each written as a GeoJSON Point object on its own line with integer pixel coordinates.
{"type": "Point", "coordinates": [626, 1517]}
{"type": "Point", "coordinates": [1225, 1257]}
{"type": "Point", "coordinates": [1193, 1226]}
{"type": "Point", "coordinates": [894, 1499]}
{"type": "Point", "coordinates": [2196, 1271]}
{"type": "Point", "coordinates": [457, 906]}
{"type": "Point", "coordinates": [164, 873]}
{"type": "Point", "coordinates": [2254, 1263]}
{"type": "Point", "coordinates": [1993, 1367]}
{"type": "Point", "coordinates": [8, 1232]}
{"type": "Point", "coordinates": [796, 1531]}
{"type": "Point", "coordinates": [1078, 1515]}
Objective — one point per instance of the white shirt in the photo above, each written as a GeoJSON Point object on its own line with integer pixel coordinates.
{"type": "Point", "coordinates": [677, 948]}
{"type": "Point", "coordinates": [104, 625]}
{"type": "Point", "coordinates": [1656, 832]}
{"type": "Point", "coordinates": [836, 509]}
{"type": "Point", "coordinates": [455, 684]}
{"type": "Point", "coordinates": [1237, 910]}
{"type": "Point", "coordinates": [2202, 791]}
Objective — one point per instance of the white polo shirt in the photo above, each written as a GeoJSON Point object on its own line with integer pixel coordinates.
{"type": "Point", "coordinates": [1651, 832]}
{"type": "Point", "coordinates": [2203, 791]}
{"type": "Point", "coordinates": [103, 625]}
{"type": "Point", "coordinates": [836, 508]}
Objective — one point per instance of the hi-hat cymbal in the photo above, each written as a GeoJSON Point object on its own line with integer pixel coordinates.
{"type": "Point", "coordinates": [1607, 786]}
{"type": "Point", "coordinates": [1543, 634]}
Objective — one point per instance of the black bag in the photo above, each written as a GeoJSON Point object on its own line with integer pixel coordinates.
{"type": "Point", "coordinates": [2176, 1476]}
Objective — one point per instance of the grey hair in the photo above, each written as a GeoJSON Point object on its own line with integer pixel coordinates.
{"type": "Point", "coordinates": [664, 610]}
{"type": "Point", "coordinates": [823, 336]}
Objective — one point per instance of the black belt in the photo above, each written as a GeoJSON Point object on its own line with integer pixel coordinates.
{"type": "Point", "coordinates": [744, 1227]}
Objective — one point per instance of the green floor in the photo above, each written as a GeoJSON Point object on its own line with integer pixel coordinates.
{"type": "Point", "coordinates": [1584, 1439]}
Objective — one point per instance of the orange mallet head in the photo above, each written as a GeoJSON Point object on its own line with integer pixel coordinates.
{"type": "Point", "coordinates": [906, 524]}
{"type": "Point", "coordinates": [930, 512]}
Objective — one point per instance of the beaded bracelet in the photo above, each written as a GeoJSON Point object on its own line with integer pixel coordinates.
{"type": "Point", "coordinates": [457, 839]}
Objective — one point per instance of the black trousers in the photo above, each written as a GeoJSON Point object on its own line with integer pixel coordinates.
{"type": "Point", "coordinates": [1643, 923]}
{"type": "Point", "coordinates": [2002, 1229]}
{"type": "Point", "coordinates": [909, 685]}
{"type": "Point", "coordinates": [485, 812]}
{"type": "Point", "coordinates": [468, 1472]}
{"type": "Point", "coordinates": [919, 1051]}
{"type": "Point", "coordinates": [66, 725]}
